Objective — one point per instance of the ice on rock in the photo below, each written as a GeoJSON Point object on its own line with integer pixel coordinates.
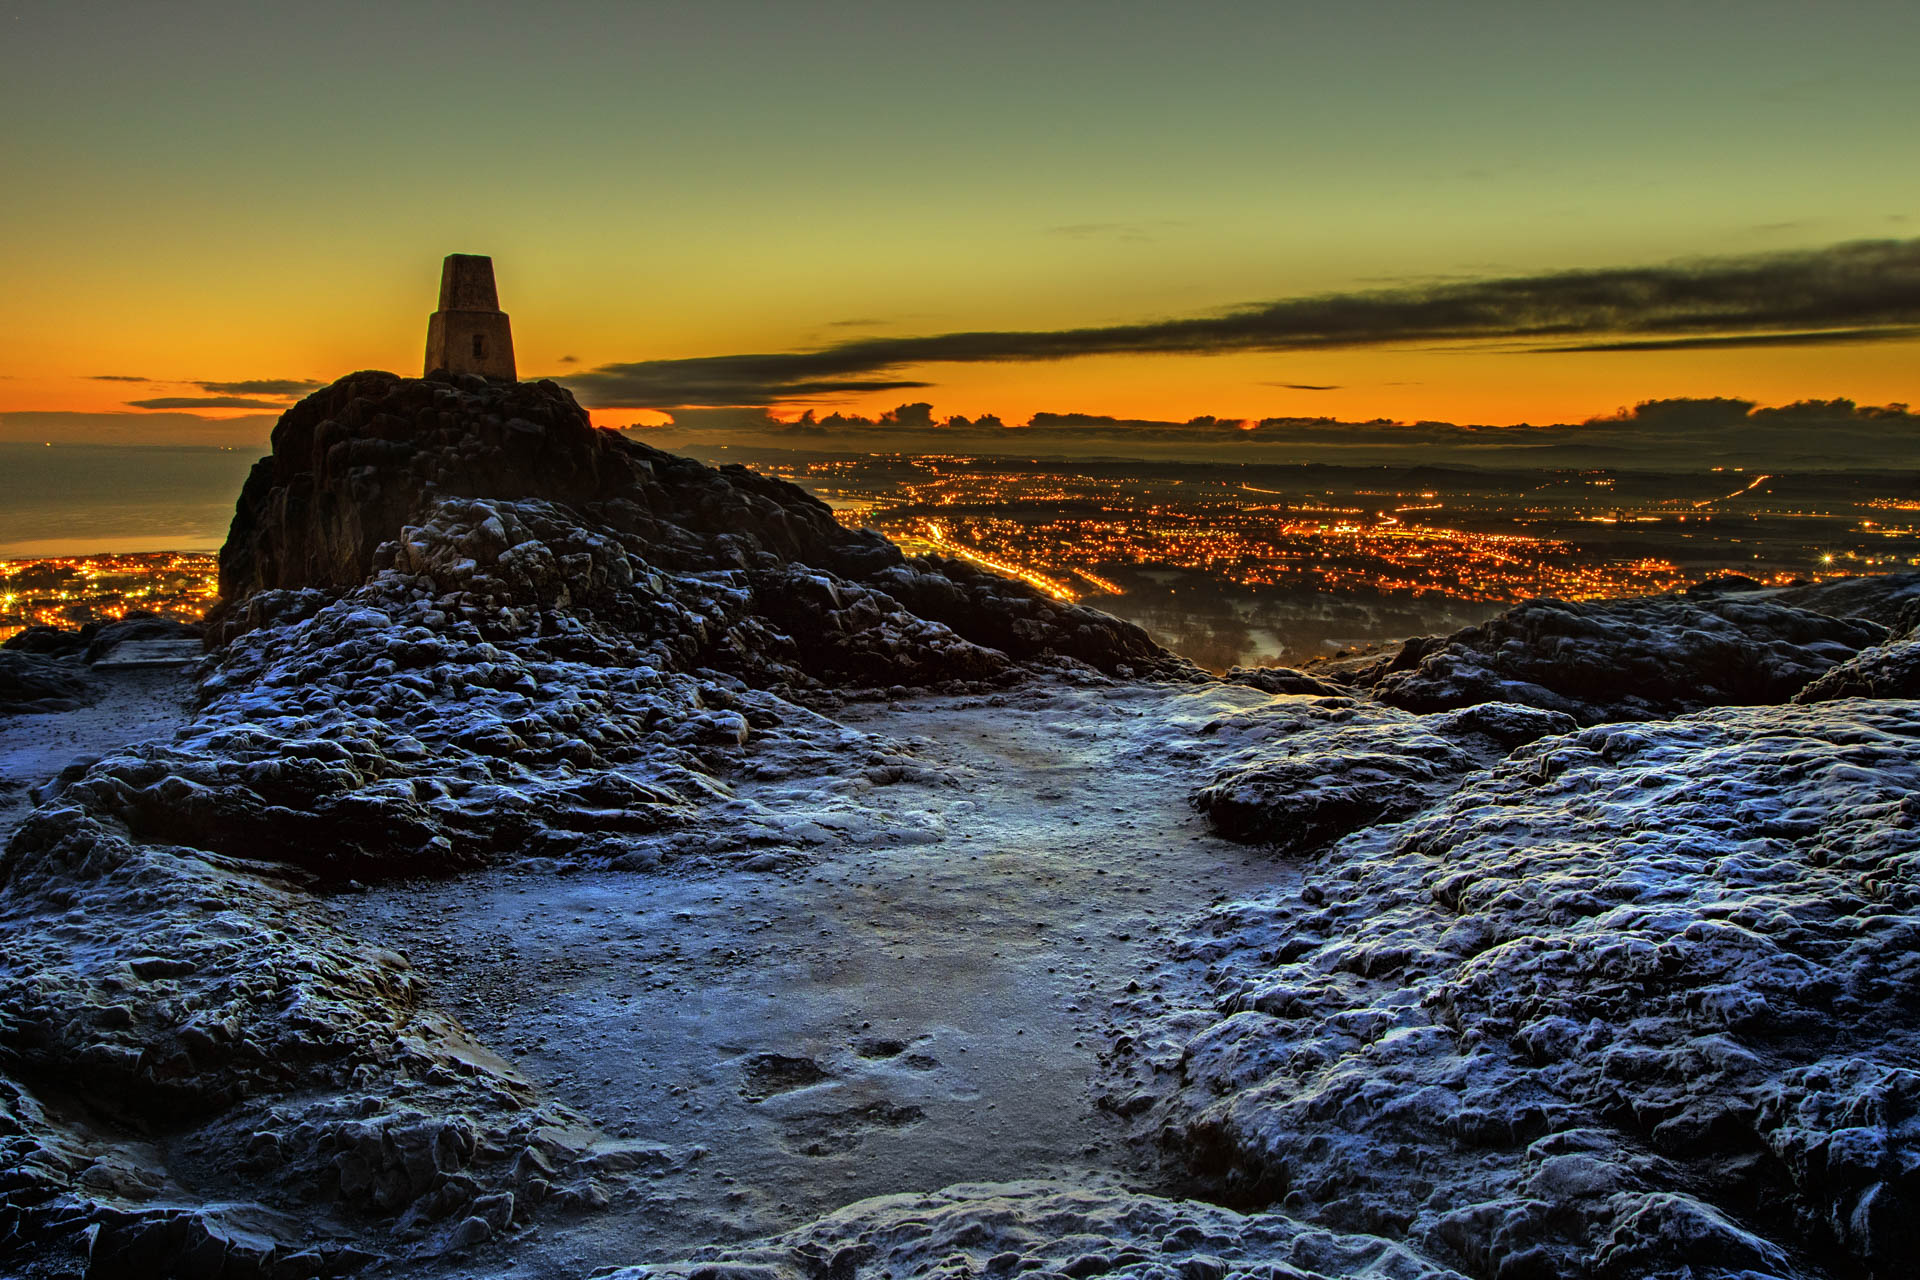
{"type": "Point", "coordinates": [1890, 670]}
{"type": "Point", "coordinates": [1328, 767]}
{"type": "Point", "coordinates": [1636, 1000]}
{"type": "Point", "coordinates": [1039, 1228]}
{"type": "Point", "coordinates": [1623, 659]}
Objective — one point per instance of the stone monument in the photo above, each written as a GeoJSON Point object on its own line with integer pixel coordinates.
{"type": "Point", "coordinates": [469, 333]}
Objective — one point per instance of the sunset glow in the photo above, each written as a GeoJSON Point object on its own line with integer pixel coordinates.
{"type": "Point", "coordinates": [998, 169]}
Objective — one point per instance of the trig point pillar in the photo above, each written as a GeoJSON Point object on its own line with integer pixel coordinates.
{"type": "Point", "coordinates": [469, 333]}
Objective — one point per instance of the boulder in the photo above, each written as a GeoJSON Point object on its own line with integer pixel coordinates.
{"type": "Point", "coordinates": [1624, 659]}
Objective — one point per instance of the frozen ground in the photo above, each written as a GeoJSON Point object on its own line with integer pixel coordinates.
{"type": "Point", "coordinates": [134, 705]}
{"type": "Point", "coordinates": [919, 999]}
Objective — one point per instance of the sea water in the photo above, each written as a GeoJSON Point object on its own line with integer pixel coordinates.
{"type": "Point", "coordinates": [88, 499]}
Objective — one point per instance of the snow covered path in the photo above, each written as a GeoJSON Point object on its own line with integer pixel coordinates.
{"type": "Point", "coordinates": [918, 1001]}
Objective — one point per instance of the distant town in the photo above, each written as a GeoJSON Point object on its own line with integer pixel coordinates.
{"type": "Point", "coordinates": [1255, 563]}
{"type": "Point", "coordinates": [1265, 563]}
{"type": "Point", "coordinates": [72, 591]}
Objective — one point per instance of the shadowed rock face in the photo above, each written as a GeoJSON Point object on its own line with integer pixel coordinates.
{"type": "Point", "coordinates": [1319, 770]}
{"type": "Point", "coordinates": [33, 682]}
{"type": "Point", "coordinates": [1890, 670]}
{"type": "Point", "coordinates": [1885, 671]}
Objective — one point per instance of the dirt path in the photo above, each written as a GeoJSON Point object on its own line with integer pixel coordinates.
{"type": "Point", "coordinates": [921, 1005]}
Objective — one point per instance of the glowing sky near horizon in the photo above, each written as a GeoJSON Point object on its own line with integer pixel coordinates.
{"type": "Point", "coordinates": [203, 192]}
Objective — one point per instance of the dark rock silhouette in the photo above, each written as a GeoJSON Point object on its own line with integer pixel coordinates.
{"type": "Point", "coordinates": [790, 595]}
{"type": "Point", "coordinates": [50, 642]}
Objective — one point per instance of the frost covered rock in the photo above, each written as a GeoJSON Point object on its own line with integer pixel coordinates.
{"type": "Point", "coordinates": [1634, 1002]}
{"type": "Point", "coordinates": [1045, 1229]}
{"type": "Point", "coordinates": [109, 640]}
{"type": "Point", "coordinates": [1623, 659]}
{"type": "Point", "coordinates": [1890, 599]}
{"type": "Point", "coordinates": [1283, 680]}
{"type": "Point", "coordinates": [183, 994]}
{"type": "Point", "coordinates": [1327, 768]}
{"type": "Point", "coordinates": [1890, 670]}
{"type": "Point", "coordinates": [458, 624]}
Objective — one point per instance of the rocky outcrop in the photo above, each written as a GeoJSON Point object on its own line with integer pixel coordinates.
{"type": "Point", "coordinates": [239, 1061]}
{"type": "Point", "coordinates": [1885, 671]}
{"type": "Point", "coordinates": [503, 502]}
{"type": "Point", "coordinates": [46, 642]}
{"type": "Point", "coordinates": [30, 682]}
{"type": "Point", "coordinates": [458, 626]}
{"type": "Point", "coordinates": [1327, 768]}
{"type": "Point", "coordinates": [1635, 1002]}
{"type": "Point", "coordinates": [1623, 659]}
{"type": "Point", "coordinates": [1044, 1229]}
{"type": "Point", "coordinates": [1890, 599]}
{"type": "Point", "coordinates": [1891, 670]}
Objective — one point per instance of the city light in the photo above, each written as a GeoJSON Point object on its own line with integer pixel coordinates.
{"type": "Point", "coordinates": [72, 591]}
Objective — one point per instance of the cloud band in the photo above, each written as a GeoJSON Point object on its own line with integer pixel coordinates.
{"type": "Point", "coordinates": [1861, 291]}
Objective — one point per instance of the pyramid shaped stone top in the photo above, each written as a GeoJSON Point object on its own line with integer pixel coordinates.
{"type": "Point", "coordinates": [469, 333]}
{"type": "Point", "coordinates": [466, 283]}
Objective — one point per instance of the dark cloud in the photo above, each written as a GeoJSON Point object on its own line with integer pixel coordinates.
{"type": "Point", "coordinates": [285, 388]}
{"type": "Point", "coordinates": [1304, 386]}
{"type": "Point", "coordinates": [1863, 287]}
{"type": "Point", "coordinates": [1726, 412]}
{"type": "Point", "coordinates": [569, 359]}
{"type": "Point", "coordinates": [260, 387]}
{"type": "Point", "coordinates": [800, 389]}
{"type": "Point", "coordinates": [207, 402]}
{"type": "Point", "coordinates": [1811, 338]}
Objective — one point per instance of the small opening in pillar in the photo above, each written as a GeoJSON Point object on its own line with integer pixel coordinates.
{"type": "Point", "coordinates": [479, 346]}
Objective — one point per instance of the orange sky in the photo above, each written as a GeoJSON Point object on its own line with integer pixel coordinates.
{"type": "Point", "coordinates": [262, 193]}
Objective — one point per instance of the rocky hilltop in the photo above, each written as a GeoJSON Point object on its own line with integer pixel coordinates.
{"type": "Point", "coordinates": [1582, 942]}
{"type": "Point", "coordinates": [502, 504]}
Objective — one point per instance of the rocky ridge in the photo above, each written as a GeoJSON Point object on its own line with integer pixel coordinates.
{"type": "Point", "coordinates": [1633, 1000]}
